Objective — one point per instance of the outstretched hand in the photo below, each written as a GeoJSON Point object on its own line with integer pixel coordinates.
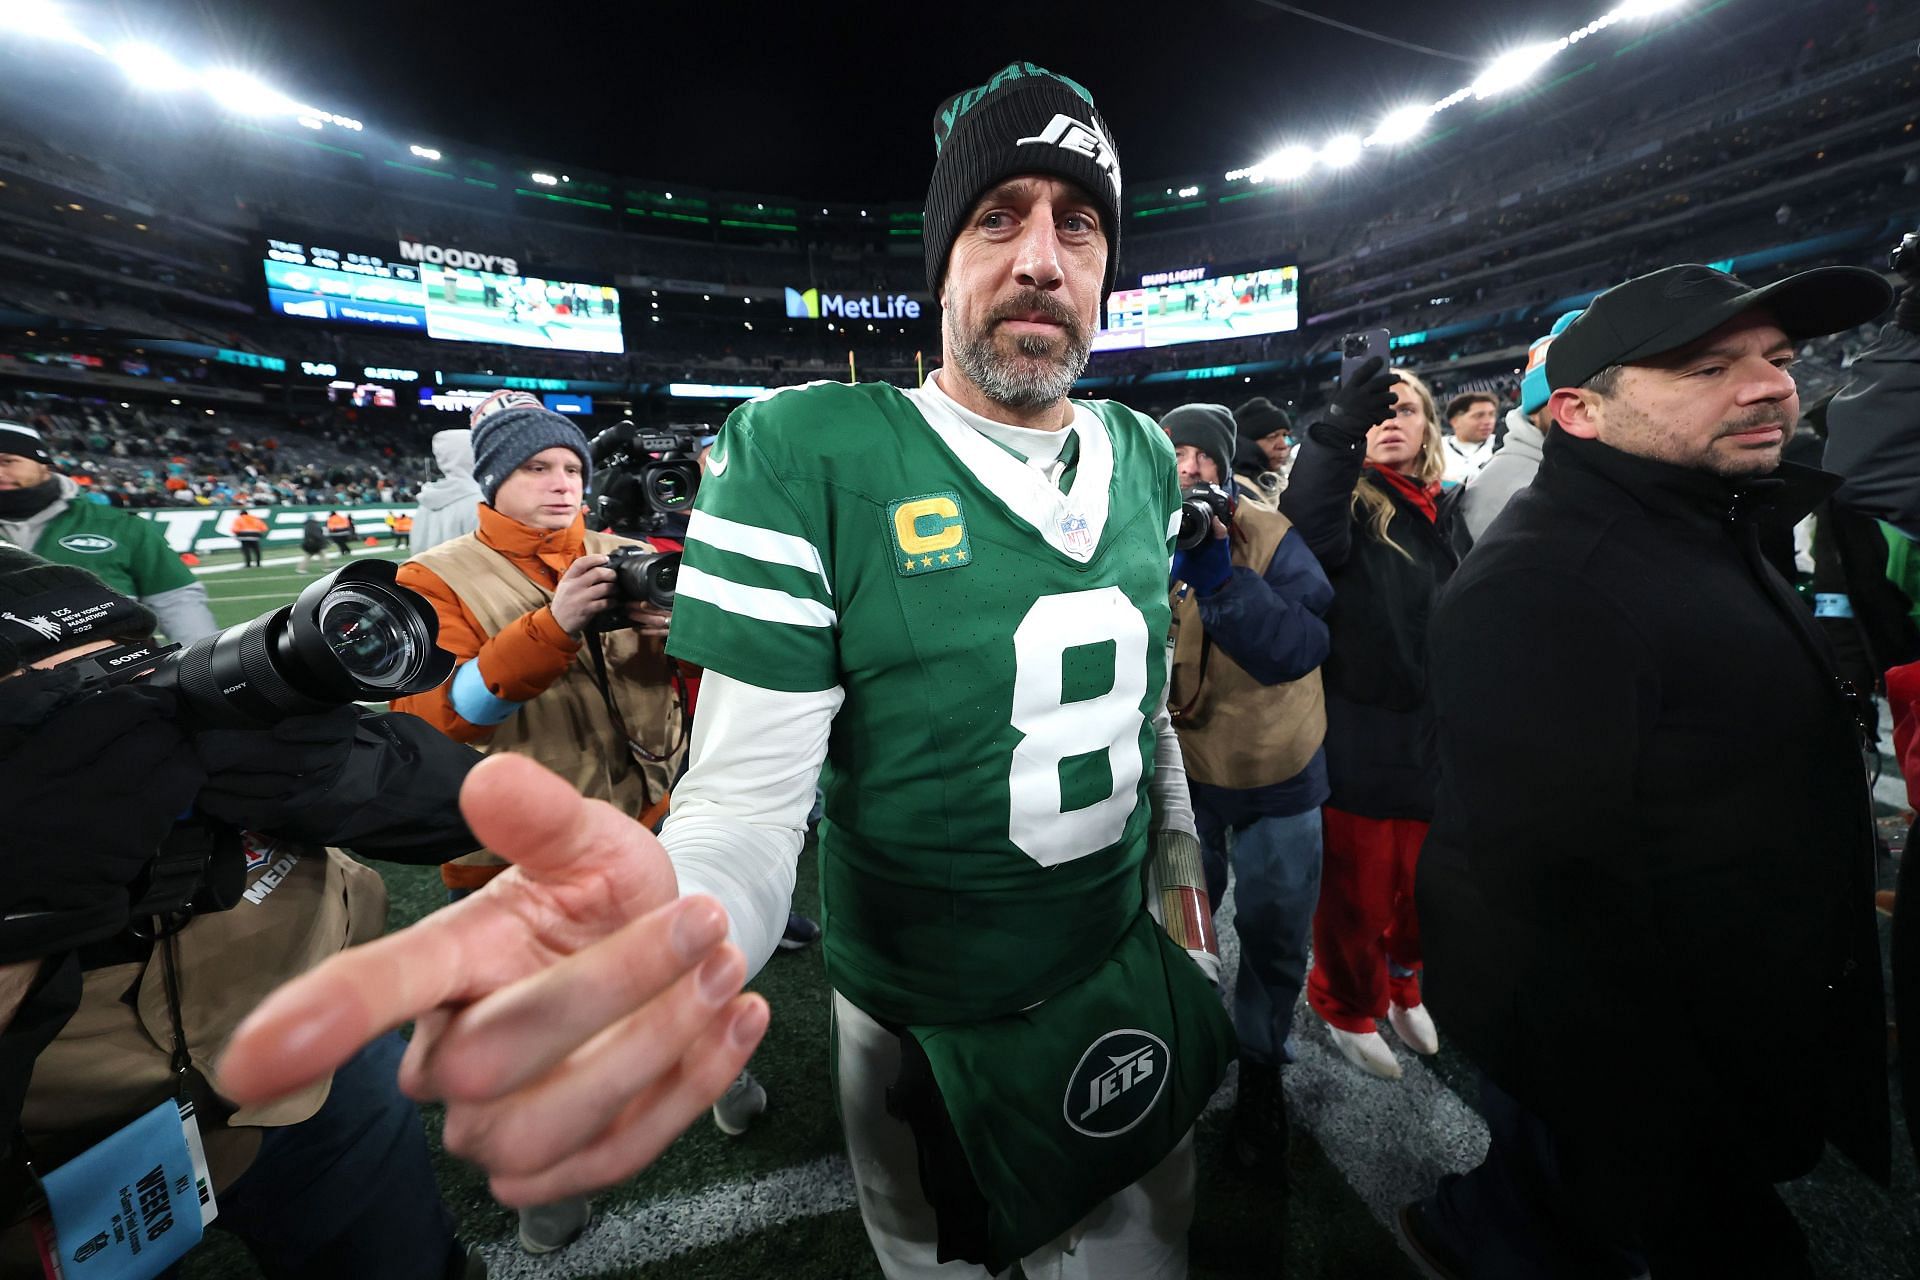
{"type": "Point", "coordinates": [575, 1015]}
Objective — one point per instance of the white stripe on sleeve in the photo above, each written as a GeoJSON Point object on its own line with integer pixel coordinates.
{"type": "Point", "coordinates": [763, 603]}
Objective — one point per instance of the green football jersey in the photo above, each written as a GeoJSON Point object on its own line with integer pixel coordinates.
{"type": "Point", "coordinates": [1001, 645]}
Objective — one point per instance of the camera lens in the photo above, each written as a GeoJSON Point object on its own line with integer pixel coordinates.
{"type": "Point", "coordinates": [353, 636]}
{"type": "Point", "coordinates": [372, 641]}
{"type": "Point", "coordinates": [1196, 524]}
{"type": "Point", "coordinates": [670, 485]}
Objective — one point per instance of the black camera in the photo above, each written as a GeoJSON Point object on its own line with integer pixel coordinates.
{"type": "Point", "coordinates": [1200, 506]}
{"type": "Point", "coordinates": [643, 481]}
{"type": "Point", "coordinates": [641, 576]}
{"type": "Point", "coordinates": [355, 635]}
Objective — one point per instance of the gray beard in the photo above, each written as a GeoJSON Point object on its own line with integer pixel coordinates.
{"type": "Point", "coordinates": [1033, 379]}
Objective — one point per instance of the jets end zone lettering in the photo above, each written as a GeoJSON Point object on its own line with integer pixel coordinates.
{"type": "Point", "coordinates": [1120, 1077]}
{"type": "Point", "coordinates": [439, 256]}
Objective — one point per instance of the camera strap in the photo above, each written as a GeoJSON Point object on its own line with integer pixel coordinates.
{"type": "Point", "coordinates": [604, 683]}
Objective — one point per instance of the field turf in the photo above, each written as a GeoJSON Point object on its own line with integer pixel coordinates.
{"type": "Point", "coordinates": [777, 1202]}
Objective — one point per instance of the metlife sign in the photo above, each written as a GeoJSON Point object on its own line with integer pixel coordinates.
{"type": "Point", "coordinates": [811, 304]}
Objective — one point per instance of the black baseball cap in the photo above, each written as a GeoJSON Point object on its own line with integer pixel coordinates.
{"type": "Point", "coordinates": [1673, 306]}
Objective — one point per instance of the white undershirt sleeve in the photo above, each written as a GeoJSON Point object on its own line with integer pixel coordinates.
{"type": "Point", "coordinates": [739, 815]}
{"type": "Point", "coordinates": [1172, 806]}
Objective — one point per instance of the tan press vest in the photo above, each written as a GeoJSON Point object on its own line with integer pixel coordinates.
{"type": "Point", "coordinates": [111, 1063]}
{"type": "Point", "coordinates": [567, 728]}
{"type": "Point", "coordinates": [1237, 732]}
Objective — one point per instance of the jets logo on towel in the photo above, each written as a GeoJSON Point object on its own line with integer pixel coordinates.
{"type": "Point", "coordinates": [1120, 1077]}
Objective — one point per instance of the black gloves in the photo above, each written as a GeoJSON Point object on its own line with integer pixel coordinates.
{"type": "Point", "coordinates": [88, 794]}
{"type": "Point", "coordinates": [1364, 400]}
{"type": "Point", "coordinates": [262, 779]}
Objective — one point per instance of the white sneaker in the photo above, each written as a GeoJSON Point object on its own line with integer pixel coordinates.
{"type": "Point", "coordinates": [743, 1100]}
{"type": "Point", "coordinates": [1368, 1052]}
{"type": "Point", "coordinates": [547, 1227]}
{"type": "Point", "coordinates": [1415, 1028]}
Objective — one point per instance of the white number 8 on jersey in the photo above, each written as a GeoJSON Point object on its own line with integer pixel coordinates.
{"type": "Point", "coordinates": [1056, 730]}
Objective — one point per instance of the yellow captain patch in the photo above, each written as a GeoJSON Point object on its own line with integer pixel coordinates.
{"type": "Point", "coordinates": [929, 534]}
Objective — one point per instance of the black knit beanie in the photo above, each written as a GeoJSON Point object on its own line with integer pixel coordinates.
{"type": "Point", "coordinates": [1208, 428]}
{"type": "Point", "coordinates": [1025, 119]}
{"type": "Point", "coordinates": [47, 607]}
{"type": "Point", "coordinates": [1260, 417]}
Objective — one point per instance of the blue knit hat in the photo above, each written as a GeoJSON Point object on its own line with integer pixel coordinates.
{"type": "Point", "coordinates": [1534, 391]}
{"type": "Point", "coordinates": [511, 426]}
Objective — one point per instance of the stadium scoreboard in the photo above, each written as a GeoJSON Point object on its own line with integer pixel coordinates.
{"type": "Point", "coordinates": [1168, 308]}
{"type": "Point", "coordinates": [453, 295]}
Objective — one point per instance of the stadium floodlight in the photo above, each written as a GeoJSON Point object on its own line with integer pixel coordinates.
{"type": "Point", "coordinates": [1341, 150]}
{"type": "Point", "coordinates": [1287, 164]}
{"type": "Point", "coordinates": [1635, 9]}
{"type": "Point", "coordinates": [545, 179]}
{"type": "Point", "coordinates": [245, 95]}
{"type": "Point", "coordinates": [1515, 67]}
{"type": "Point", "coordinates": [44, 20]}
{"type": "Point", "coordinates": [1402, 125]}
{"type": "Point", "coordinates": [425, 153]}
{"type": "Point", "coordinates": [150, 67]}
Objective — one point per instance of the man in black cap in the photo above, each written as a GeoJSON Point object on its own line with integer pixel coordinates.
{"type": "Point", "coordinates": [1651, 930]}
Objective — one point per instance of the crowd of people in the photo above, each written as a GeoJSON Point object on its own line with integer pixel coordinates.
{"type": "Point", "coordinates": [138, 456]}
{"type": "Point", "coordinates": [1489, 701]}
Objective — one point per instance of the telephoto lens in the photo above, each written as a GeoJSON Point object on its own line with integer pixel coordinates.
{"type": "Point", "coordinates": [355, 635]}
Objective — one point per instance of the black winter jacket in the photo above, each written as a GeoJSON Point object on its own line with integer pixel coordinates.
{"type": "Point", "coordinates": [1873, 430]}
{"type": "Point", "coordinates": [1379, 754]}
{"type": "Point", "coordinates": [1653, 829]}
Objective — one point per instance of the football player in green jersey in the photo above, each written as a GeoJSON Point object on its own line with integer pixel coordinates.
{"type": "Point", "coordinates": [950, 606]}
{"type": "Point", "coordinates": [954, 599]}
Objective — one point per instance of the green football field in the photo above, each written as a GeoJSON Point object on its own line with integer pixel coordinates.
{"type": "Point", "coordinates": [777, 1202]}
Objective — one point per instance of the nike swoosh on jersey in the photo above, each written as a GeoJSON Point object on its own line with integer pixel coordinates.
{"type": "Point", "coordinates": [716, 465]}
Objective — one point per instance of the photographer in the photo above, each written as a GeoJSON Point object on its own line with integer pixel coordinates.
{"type": "Point", "coordinates": [524, 602]}
{"type": "Point", "coordinates": [518, 599]}
{"type": "Point", "coordinates": [1245, 695]}
{"type": "Point", "coordinates": [112, 1005]}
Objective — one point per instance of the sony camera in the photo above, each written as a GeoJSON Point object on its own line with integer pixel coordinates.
{"type": "Point", "coordinates": [355, 635]}
{"type": "Point", "coordinates": [1200, 506]}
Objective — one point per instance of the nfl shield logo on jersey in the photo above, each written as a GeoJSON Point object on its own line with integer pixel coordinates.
{"type": "Point", "coordinates": [1075, 532]}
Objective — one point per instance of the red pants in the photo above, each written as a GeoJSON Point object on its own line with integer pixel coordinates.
{"type": "Point", "coordinates": [1365, 921]}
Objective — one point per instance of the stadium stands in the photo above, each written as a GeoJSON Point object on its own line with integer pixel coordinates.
{"type": "Point", "coordinates": [1774, 161]}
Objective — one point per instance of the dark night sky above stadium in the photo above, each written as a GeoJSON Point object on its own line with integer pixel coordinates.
{"type": "Point", "coordinates": [835, 101]}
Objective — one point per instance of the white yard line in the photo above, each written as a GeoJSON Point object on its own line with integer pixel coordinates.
{"type": "Point", "coordinates": [205, 569]}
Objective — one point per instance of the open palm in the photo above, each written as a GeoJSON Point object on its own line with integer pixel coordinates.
{"type": "Point", "coordinates": [575, 1015]}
